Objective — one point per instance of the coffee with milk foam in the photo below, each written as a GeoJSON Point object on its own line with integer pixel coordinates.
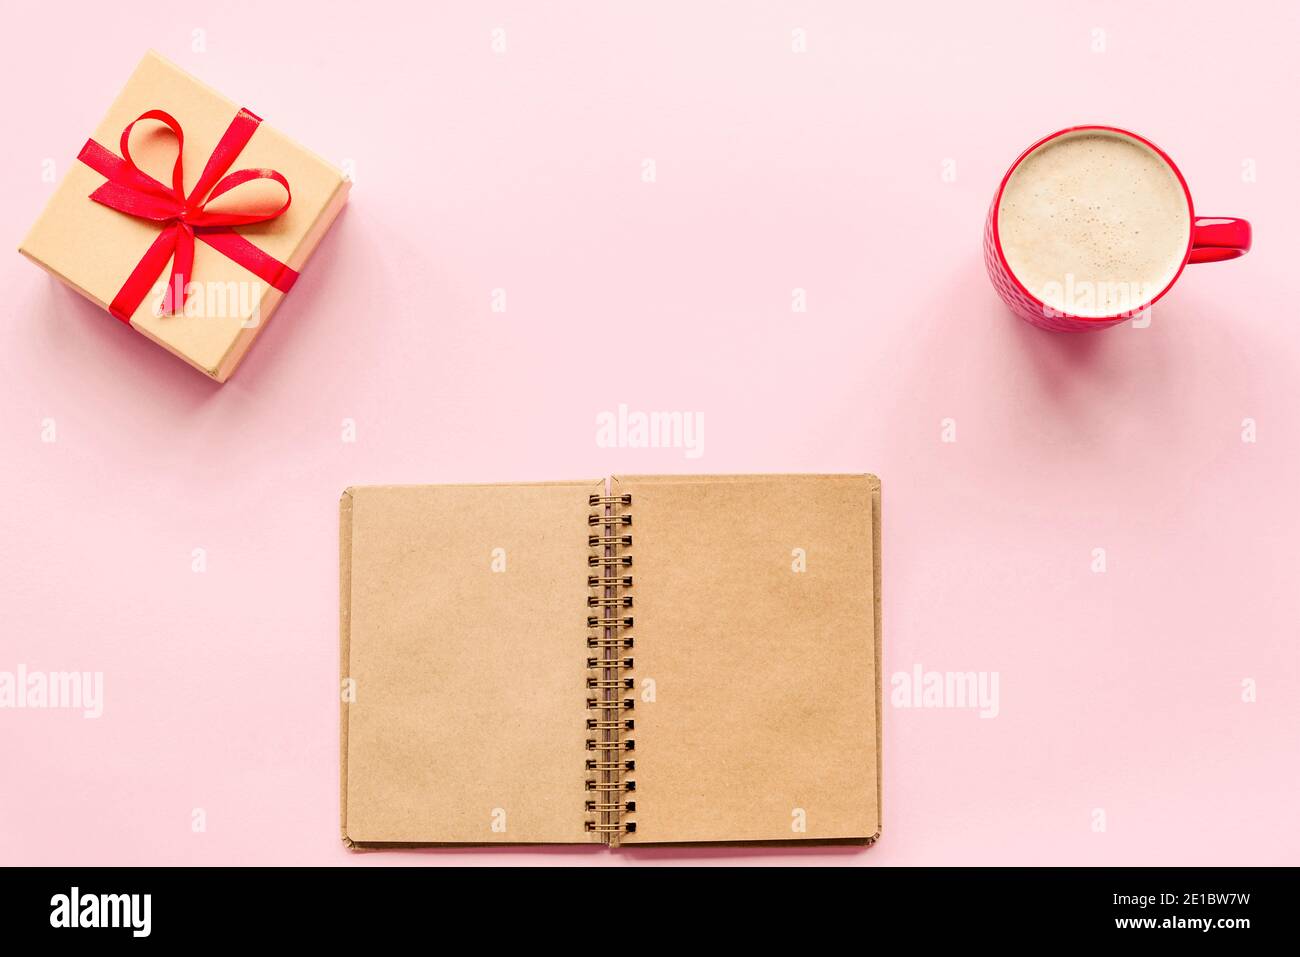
{"type": "Point", "coordinates": [1094, 224]}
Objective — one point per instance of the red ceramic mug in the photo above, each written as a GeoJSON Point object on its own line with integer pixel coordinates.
{"type": "Point", "coordinates": [1209, 239]}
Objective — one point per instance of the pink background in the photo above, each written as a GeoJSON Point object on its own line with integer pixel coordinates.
{"type": "Point", "coordinates": [1120, 691]}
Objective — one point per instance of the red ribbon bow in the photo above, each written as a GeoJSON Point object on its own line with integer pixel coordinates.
{"type": "Point", "coordinates": [131, 191]}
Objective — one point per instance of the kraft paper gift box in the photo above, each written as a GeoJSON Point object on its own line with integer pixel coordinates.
{"type": "Point", "coordinates": [122, 226]}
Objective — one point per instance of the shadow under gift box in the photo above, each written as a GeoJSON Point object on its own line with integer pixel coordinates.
{"type": "Point", "coordinates": [94, 248]}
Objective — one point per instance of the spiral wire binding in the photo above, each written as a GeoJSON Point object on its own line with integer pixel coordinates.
{"type": "Point", "coordinates": [609, 640]}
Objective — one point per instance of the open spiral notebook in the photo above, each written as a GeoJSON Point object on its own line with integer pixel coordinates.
{"type": "Point", "coordinates": [637, 660]}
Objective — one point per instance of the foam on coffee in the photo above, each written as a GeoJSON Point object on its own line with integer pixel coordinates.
{"type": "Point", "coordinates": [1094, 223]}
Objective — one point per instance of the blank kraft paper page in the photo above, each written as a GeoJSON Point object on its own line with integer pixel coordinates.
{"type": "Point", "coordinates": [462, 632]}
{"type": "Point", "coordinates": [757, 657]}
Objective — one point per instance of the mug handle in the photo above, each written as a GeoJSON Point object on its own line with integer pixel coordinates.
{"type": "Point", "coordinates": [1216, 239]}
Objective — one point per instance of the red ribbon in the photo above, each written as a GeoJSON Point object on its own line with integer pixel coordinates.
{"type": "Point", "coordinates": [131, 191]}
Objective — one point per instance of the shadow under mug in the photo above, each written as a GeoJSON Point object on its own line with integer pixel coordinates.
{"type": "Point", "coordinates": [1211, 239]}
